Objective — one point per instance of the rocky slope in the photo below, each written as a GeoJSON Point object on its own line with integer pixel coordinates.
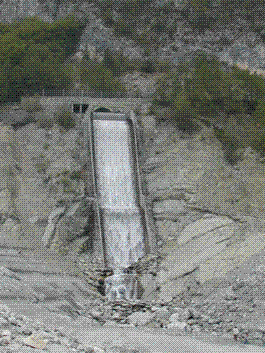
{"type": "Point", "coordinates": [207, 275]}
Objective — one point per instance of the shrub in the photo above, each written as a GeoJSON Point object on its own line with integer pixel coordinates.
{"type": "Point", "coordinates": [100, 78]}
{"type": "Point", "coordinates": [75, 175]}
{"type": "Point", "coordinates": [148, 67]}
{"type": "Point", "coordinates": [64, 118]}
{"type": "Point", "coordinates": [259, 115]}
{"type": "Point", "coordinates": [44, 122]}
{"type": "Point", "coordinates": [46, 146]}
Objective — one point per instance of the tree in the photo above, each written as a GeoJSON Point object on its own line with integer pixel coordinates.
{"type": "Point", "coordinates": [99, 78]}
{"type": "Point", "coordinates": [108, 60]}
{"type": "Point", "coordinates": [204, 88]}
{"type": "Point", "coordinates": [28, 61]}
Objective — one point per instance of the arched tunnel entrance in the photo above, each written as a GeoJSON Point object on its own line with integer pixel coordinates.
{"type": "Point", "coordinates": [102, 110]}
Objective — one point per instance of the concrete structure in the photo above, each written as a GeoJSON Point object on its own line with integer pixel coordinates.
{"type": "Point", "coordinates": [103, 221]}
{"type": "Point", "coordinates": [125, 104]}
{"type": "Point", "coordinates": [149, 229]}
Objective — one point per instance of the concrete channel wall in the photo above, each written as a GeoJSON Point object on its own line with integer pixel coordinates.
{"type": "Point", "coordinates": [147, 219]}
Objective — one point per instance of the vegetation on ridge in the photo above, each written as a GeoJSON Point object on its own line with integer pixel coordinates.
{"type": "Point", "coordinates": [226, 96]}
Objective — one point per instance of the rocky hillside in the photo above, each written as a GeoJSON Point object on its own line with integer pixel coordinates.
{"type": "Point", "coordinates": [208, 214]}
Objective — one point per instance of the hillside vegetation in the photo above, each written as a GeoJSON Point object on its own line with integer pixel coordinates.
{"type": "Point", "coordinates": [33, 52]}
{"type": "Point", "coordinates": [227, 97]}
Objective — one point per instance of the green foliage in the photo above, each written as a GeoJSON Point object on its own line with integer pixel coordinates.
{"type": "Point", "coordinates": [64, 35]}
{"type": "Point", "coordinates": [75, 175]}
{"type": "Point", "coordinates": [162, 66]}
{"type": "Point", "coordinates": [32, 53]}
{"type": "Point", "coordinates": [259, 114]}
{"type": "Point", "coordinates": [208, 89]}
{"type": "Point", "coordinates": [46, 146]}
{"type": "Point", "coordinates": [148, 67]}
{"type": "Point", "coordinates": [99, 78]}
{"type": "Point", "coordinates": [203, 88]}
{"type": "Point", "coordinates": [117, 63]}
{"type": "Point", "coordinates": [64, 118]}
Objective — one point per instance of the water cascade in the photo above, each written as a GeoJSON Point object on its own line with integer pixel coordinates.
{"type": "Point", "coordinates": [117, 198]}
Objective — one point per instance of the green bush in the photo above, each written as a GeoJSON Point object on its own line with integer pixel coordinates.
{"type": "Point", "coordinates": [148, 67]}
{"type": "Point", "coordinates": [259, 115]}
{"type": "Point", "coordinates": [230, 145]}
{"type": "Point", "coordinates": [64, 118]}
{"type": "Point", "coordinates": [75, 175]}
{"type": "Point", "coordinates": [44, 122]}
{"type": "Point", "coordinates": [99, 77]}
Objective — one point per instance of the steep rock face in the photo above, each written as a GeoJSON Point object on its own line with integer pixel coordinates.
{"type": "Point", "coordinates": [36, 180]}
{"type": "Point", "coordinates": [204, 208]}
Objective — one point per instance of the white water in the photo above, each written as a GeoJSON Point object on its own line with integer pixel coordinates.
{"type": "Point", "coordinates": [123, 231]}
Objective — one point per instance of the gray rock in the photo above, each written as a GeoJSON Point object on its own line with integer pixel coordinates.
{"type": "Point", "coordinates": [140, 319]}
{"type": "Point", "coordinates": [16, 117]}
{"type": "Point", "coordinates": [169, 209]}
{"type": "Point", "coordinates": [181, 314]}
{"type": "Point", "coordinates": [162, 313]}
{"type": "Point", "coordinates": [177, 324]}
{"type": "Point", "coordinates": [195, 313]}
{"type": "Point", "coordinates": [203, 226]}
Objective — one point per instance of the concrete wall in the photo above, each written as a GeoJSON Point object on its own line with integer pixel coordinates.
{"type": "Point", "coordinates": [51, 103]}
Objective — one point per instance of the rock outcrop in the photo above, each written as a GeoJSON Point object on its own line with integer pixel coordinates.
{"type": "Point", "coordinates": [209, 214]}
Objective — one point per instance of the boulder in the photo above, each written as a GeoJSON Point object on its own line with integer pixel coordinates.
{"type": "Point", "coordinates": [76, 222]}
{"type": "Point", "coordinates": [33, 198]}
{"type": "Point", "coordinates": [177, 324]}
{"type": "Point", "coordinates": [148, 123]}
{"type": "Point", "coordinates": [171, 289]}
{"type": "Point", "coordinates": [148, 284]}
{"type": "Point", "coordinates": [162, 314]}
{"type": "Point", "coordinates": [16, 117]}
{"type": "Point", "coordinates": [180, 315]}
{"type": "Point", "coordinates": [168, 229]}
{"type": "Point", "coordinates": [6, 202]}
{"type": "Point", "coordinates": [53, 218]}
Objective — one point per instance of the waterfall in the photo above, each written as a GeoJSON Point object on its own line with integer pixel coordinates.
{"type": "Point", "coordinates": [122, 227]}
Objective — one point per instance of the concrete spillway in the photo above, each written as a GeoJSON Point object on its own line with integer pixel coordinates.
{"type": "Point", "coordinates": [121, 212]}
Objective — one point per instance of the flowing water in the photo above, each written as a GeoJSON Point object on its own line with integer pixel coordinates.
{"type": "Point", "coordinates": [122, 227]}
